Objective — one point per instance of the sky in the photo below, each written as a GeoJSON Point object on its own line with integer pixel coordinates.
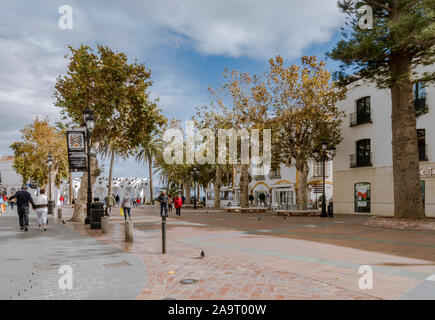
{"type": "Point", "coordinates": [187, 44]}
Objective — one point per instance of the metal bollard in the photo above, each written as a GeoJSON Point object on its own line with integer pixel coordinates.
{"type": "Point", "coordinates": [128, 231]}
{"type": "Point", "coordinates": [104, 224]}
{"type": "Point", "coordinates": [59, 213]}
{"type": "Point", "coordinates": [163, 234]}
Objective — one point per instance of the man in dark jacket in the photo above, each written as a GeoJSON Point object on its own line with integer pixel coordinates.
{"type": "Point", "coordinates": [163, 199]}
{"type": "Point", "coordinates": [23, 200]}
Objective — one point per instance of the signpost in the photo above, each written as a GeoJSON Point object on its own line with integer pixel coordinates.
{"type": "Point", "coordinates": [76, 150]}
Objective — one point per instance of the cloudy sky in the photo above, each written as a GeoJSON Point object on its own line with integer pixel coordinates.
{"type": "Point", "coordinates": [186, 43]}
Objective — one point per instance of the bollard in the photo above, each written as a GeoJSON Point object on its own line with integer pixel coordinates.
{"type": "Point", "coordinates": [105, 224]}
{"type": "Point", "coordinates": [59, 213]}
{"type": "Point", "coordinates": [163, 234]}
{"type": "Point", "coordinates": [128, 231]}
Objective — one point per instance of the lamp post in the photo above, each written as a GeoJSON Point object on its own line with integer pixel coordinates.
{"type": "Point", "coordinates": [324, 154]}
{"type": "Point", "coordinates": [89, 121]}
{"type": "Point", "coordinates": [195, 173]}
{"type": "Point", "coordinates": [50, 198]}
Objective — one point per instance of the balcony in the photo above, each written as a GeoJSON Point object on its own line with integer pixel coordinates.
{"type": "Point", "coordinates": [423, 152]}
{"type": "Point", "coordinates": [420, 105]}
{"type": "Point", "coordinates": [361, 118]}
{"type": "Point", "coordinates": [275, 175]}
{"type": "Point", "coordinates": [259, 177]}
{"type": "Point", "coordinates": [356, 162]}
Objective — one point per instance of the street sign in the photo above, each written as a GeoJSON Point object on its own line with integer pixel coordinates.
{"type": "Point", "coordinates": [76, 150]}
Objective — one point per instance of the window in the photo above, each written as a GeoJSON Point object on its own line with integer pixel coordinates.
{"type": "Point", "coordinates": [362, 114]}
{"type": "Point", "coordinates": [422, 146]}
{"type": "Point", "coordinates": [362, 197]}
{"type": "Point", "coordinates": [318, 169]}
{"type": "Point", "coordinates": [420, 98]}
{"type": "Point", "coordinates": [363, 157]}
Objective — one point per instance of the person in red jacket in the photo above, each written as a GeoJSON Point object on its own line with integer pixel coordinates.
{"type": "Point", "coordinates": [178, 202]}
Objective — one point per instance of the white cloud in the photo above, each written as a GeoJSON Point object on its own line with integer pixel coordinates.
{"type": "Point", "coordinates": [252, 28]}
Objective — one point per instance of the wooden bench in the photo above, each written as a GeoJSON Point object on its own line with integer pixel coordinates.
{"type": "Point", "coordinates": [246, 210]}
{"type": "Point", "coordinates": [308, 212]}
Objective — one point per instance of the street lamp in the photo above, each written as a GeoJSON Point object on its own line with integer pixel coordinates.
{"type": "Point", "coordinates": [324, 154]}
{"type": "Point", "coordinates": [195, 173]}
{"type": "Point", "coordinates": [89, 122]}
{"type": "Point", "coordinates": [50, 198]}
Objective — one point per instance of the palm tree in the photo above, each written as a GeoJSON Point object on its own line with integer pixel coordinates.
{"type": "Point", "coordinates": [146, 153]}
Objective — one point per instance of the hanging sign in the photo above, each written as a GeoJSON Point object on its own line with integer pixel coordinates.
{"type": "Point", "coordinates": [76, 150]}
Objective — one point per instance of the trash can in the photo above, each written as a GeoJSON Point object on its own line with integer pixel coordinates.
{"type": "Point", "coordinates": [331, 209]}
{"type": "Point", "coordinates": [97, 211]}
{"type": "Point", "coordinates": [51, 206]}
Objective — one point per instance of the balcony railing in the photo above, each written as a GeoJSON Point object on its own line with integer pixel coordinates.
{"type": "Point", "coordinates": [361, 118]}
{"type": "Point", "coordinates": [258, 177]}
{"type": "Point", "coordinates": [423, 154]}
{"type": "Point", "coordinates": [420, 105]}
{"type": "Point", "coordinates": [275, 175]}
{"type": "Point", "coordinates": [356, 162]}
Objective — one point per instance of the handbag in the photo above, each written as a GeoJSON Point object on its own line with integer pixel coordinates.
{"type": "Point", "coordinates": [121, 210]}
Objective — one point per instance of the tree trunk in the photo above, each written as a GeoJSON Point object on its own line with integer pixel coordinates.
{"type": "Point", "coordinates": [79, 214]}
{"type": "Point", "coordinates": [112, 158]}
{"type": "Point", "coordinates": [301, 188]}
{"type": "Point", "coordinates": [244, 186]}
{"type": "Point", "coordinates": [187, 190]}
{"type": "Point", "coordinates": [70, 190]}
{"type": "Point", "coordinates": [217, 187]}
{"type": "Point", "coordinates": [150, 172]}
{"type": "Point", "coordinates": [408, 199]}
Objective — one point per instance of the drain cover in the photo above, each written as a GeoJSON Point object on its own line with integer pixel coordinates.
{"type": "Point", "coordinates": [188, 281]}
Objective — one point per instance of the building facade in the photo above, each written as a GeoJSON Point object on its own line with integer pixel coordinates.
{"type": "Point", "coordinates": [278, 187]}
{"type": "Point", "coordinates": [363, 172]}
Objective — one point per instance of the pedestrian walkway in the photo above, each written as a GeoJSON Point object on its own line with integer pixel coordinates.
{"type": "Point", "coordinates": [247, 256]}
{"type": "Point", "coordinates": [31, 262]}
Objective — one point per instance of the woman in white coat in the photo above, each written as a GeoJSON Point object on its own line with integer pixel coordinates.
{"type": "Point", "coordinates": [41, 208]}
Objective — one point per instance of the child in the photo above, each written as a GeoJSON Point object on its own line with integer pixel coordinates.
{"type": "Point", "coordinates": [178, 202]}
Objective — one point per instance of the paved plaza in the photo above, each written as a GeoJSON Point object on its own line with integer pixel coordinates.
{"type": "Point", "coordinates": [247, 256]}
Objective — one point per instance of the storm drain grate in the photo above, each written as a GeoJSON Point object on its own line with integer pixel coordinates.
{"type": "Point", "coordinates": [118, 264]}
{"type": "Point", "coordinates": [188, 281]}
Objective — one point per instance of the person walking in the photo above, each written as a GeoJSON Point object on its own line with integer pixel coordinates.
{"type": "Point", "coordinates": [178, 203]}
{"type": "Point", "coordinates": [2, 204]}
{"type": "Point", "coordinates": [126, 206]}
{"type": "Point", "coordinates": [163, 199]}
{"type": "Point", "coordinates": [170, 203]}
{"type": "Point", "coordinates": [41, 209]}
{"type": "Point", "coordinates": [117, 200]}
{"type": "Point", "coordinates": [110, 202]}
{"type": "Point", "coordinates": [23, 200]}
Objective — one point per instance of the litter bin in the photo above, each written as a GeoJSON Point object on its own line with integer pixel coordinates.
{"type": "Point", "coordinates": [330, 209]}
{"type": "Point", "coordinates": [51, 206]}
{"type": "Point", "coordinates": [97, 211]}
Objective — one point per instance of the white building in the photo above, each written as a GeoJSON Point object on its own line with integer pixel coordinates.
{"type": "Point", "coordinates": [10, 181]}
{"type": "Point", "coordinates": [135, 187]}
{"type": "Point", "coordinates": [279, 187]}
{"type": "Point", "coordinates": [363, 172]}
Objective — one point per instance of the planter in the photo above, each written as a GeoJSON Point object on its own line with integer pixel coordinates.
{"type": "Point", "coordinates": [402, 224]}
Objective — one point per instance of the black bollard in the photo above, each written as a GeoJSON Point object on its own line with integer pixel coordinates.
{"type": "Point", "coordinates": [163, 234]}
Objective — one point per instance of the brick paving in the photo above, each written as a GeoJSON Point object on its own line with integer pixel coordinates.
{"type": "Point", "coordinates": [248, 257]}
{"type": "Point", "coordinates": [274, 258]}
